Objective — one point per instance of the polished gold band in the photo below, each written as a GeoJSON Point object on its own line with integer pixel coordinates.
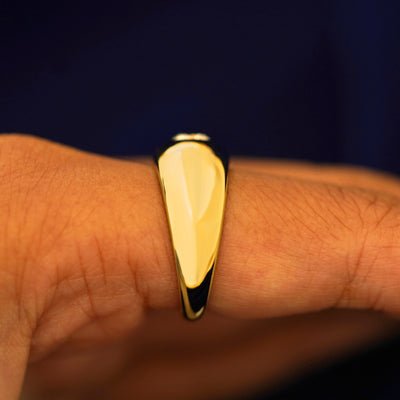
{"type": "Point", "coordinates": [193, 176]}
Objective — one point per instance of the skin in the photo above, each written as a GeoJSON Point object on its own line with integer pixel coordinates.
{"type": "Point", "coordinates": [307, 272]}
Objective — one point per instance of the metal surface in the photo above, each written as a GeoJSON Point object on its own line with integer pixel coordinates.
{"type": "Point", "coordinates": [193, 178]}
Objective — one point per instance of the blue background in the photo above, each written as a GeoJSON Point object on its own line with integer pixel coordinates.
{"type": "Point", "coordinates": [316, 80]}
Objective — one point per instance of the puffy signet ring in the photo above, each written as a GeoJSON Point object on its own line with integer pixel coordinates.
{"type": "Point", "coordinates": [193, 176]}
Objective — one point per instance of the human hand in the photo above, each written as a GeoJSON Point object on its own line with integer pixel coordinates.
{"type": "Point", "coordinates": [88, 290]}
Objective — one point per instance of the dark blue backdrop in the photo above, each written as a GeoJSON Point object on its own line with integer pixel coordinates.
{"type": "Point", "coordinates": [304, 79]}
{"type": "Point", "coordinates": [316, 80]}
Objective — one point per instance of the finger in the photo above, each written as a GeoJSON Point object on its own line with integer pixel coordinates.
{"type": "Point", "coordinates": [94, 252]}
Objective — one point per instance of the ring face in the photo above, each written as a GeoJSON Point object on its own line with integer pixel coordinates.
{"type": "Point", "coordinates": [193, 178]}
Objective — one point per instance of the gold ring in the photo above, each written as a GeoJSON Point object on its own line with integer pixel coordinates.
{"type": "Point", "coordinates": [193, 176]}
